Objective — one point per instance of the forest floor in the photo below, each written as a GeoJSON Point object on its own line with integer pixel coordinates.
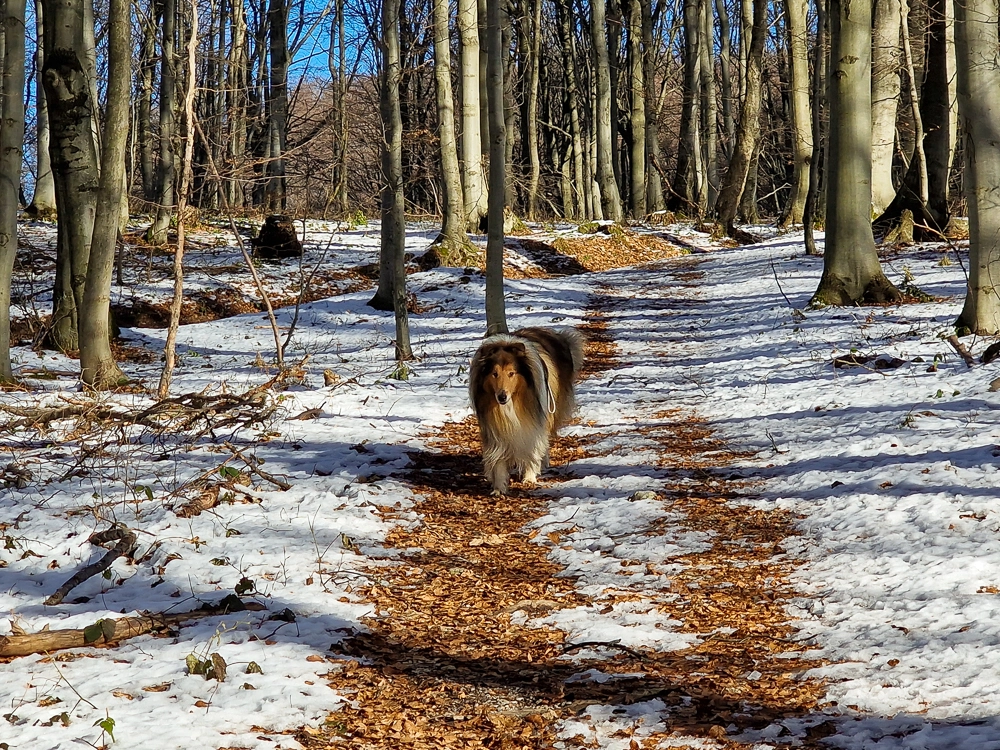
{"type": "Point", "coordinates": [767, 527]}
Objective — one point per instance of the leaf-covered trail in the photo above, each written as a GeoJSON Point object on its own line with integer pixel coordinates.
{"type": "Point", "coordinates": [455, 656]}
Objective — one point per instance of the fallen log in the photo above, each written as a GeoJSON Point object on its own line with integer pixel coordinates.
{"type": "Point", "coordinates": [108, 631]}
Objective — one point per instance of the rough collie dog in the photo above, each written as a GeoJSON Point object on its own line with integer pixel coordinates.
{"type": "Point", "coordinates": [521, 388]}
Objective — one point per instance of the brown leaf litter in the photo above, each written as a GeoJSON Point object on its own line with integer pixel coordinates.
{"type": "Point", "coordinates": [444, 666]}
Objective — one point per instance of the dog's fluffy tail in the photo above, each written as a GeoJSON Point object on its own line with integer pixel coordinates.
{"type": "Point", "coordinates": [574, 341]}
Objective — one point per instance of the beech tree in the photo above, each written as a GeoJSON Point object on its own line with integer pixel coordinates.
{"type": "Point", "coordinates": [851, 271]}
{"type": "Point", "coordinates": [496, 312]}
{"type": "Point", "coordinates": [977, 41]}
{"type": "Point", "coordinates": [11, 151]}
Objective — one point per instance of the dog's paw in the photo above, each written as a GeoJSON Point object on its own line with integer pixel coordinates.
{"type": "Point", "coordinates": [497, 492]}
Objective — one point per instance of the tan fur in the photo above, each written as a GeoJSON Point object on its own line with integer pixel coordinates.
{"type": "Point", "coordinates": [521, 388]}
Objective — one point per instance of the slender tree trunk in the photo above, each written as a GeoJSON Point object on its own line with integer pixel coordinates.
{"type": "Point", "coordinates": [885, 98]}
{"type": "Point", "coordinates": [43, 201]}
{"type": "Point", "coordinates": [851, 271]}
{"type": "Point", "coordinates": [496, 312]}
{"type": "Point", "coordinates": [725, 55]}
{"type": "Point", "coordinates": [809, 213]}
{"type": "Point", "coordinates": [688, 178]}
{"type": "Point", "coordinates": [144, 110]}
{"type": "Point", "coordinates": [165, 171]}
{"type": "Point", "coordinates": [637, 93]}
{"type": "Point", "coordinates": [748, 131]}
{"type": "Point", "coordinates": [277, 104]}
{"type": "Point", "coordinates": [453, 245]}
{"type": "Point", "coordinates": [166, 375]}
{"type": "Point", "coordinates": [11, 155]}
{"type": "Point", "coordinates": [977, 41]}
{"type": "Point", "coordinates": [654, 185]}
{"type": "Point", "coordinates": [802, 146]}
{"type": "Point", "coordinates": [709, 108]}
{"type": "Point", "coordinates": [611, 201]}
{"type": "Point", "coordinates": [573, 104]}
{"type": "Point", "coordinates": [534, 159]}
{"type": "Point", "coordinates": [74, 161]}
{"type": "Point", "coordinates": [393, 219]}
{"type": "Point", "coordinates": [473, 177]}
{"type": "Point", "coordinates": [97, 363]}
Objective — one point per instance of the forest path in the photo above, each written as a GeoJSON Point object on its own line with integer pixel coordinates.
{"type": "Point", "coordinates": [693, 587]}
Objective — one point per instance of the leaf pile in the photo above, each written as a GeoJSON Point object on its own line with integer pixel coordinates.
{"type": "Point", "coordinates": [443, 666]}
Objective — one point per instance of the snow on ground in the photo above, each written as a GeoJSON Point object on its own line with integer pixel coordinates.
{"type": "Point", "coordinates": [891, 474]}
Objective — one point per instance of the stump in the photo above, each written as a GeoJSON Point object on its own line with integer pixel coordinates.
{"type": "Point", "coordinates": [277, 239]}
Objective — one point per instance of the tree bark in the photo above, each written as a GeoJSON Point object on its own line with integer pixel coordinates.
{"type": "Point", "coordinates": [936, 116]}
{"type": "Point", "coordinates": [452, 244]}
{"type": "Point", "coordinates": [637, 95]}
{"type": "Point", "coordinates": [709, 109]}
{"type": "Point", "coordinates": [581, 204]}
{"type": "Point", "coordinates": [43, 200]}
{"type": "Point", "coordinates": [165, 171]}
{"type": "Point", "coordinates": [885, 98]}
{"type": "Point", "coordinates": [277, 104]}
{"type": "Point", "coordinates": [611, 201]}
{"type": "Point", "coordinates": [535, 62]}
{"type": "Point", "coordinates": [655, 200]}
{"type": "Point", "coordinates": [686, 186]}
{"type": "Point", "coordinates": [97, 363]}
{"type": "Point", "coordinates": [74, 161]}
{"type": "Point", "coordinates": [11, 153]}
{"type": "Point", "coordinates": [169, 348]}
{"type": "Point", "coordinates": [473, 178]}
{"type": "Point", "coordinates": [496, 313]}
{"type": "Point", "coordinates": [977, 41]}
{"type": "Point", "coordinates": [802, 146]}
{"type": "Point", "coordinates": [813, 202]}
{"type": "Point", "coordinates": [851, 271]}
{"type": "Point", "coordinates": [393, 218]}
{"type": "Point", "coordinates": [748, 130]}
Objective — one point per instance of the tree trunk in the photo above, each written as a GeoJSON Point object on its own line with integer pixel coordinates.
{"type": "Point", "coordinates": [686, 186]}
{"type": "Point", "coordinates": [725, 55]}
{"type": "Point", "coordinates": [144, 110]}
{"type": "Point", "coordinates": [611, 202]}
{"type": "Point", "coordinates": [709, 109]}
{"type": "Point", "coordinates": [74, 161]}
{"type": "Point", "coordinates": [935, 113]}
{"type": "Point", "coordinates": [977, 41]}
{"type": "Point", "coordinates": [748, 130]}
{"type": "Point", "coordinates": [393, 219]}
{"type": "Point", "coordinates": [169, 348]}
{"type": "Point", "coordinates": [473, 178]}
{"type": "Point", "coordinates": [535, 62]}
{"type": "Point", "coordinates": [157, 234]}
{"type": "Point", "coordinates": [43, 201]}
{"type": "Point", "coordinates": [885, 98]}
{"type": "Point", "coordinates": [813, 202]}
{"type": "Point", "coordinates": [637, 95]}
{"type": "Point", "coordinates": [795, 15]}
{"type": "Point", "coordinates": [97, 364]}
{"type": "Point", "coordinates": [277, 104]}
{"type": "Point", "coordinates": [654, 183]}
{"type": "Point", "coordinates": [11, 154]}
{"type": "Point", "coordinates": [582, 205]}
{"type": "Point", "coordinates": [851, 271]}
{"type": "Point", "coordinates": [496, 313]}
{"type": "Point", "coordinates": [453, 244]}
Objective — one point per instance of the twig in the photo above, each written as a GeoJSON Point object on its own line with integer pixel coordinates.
{"type": "Point", "coordinates": [963, 352]}
{"type": "Point", "coordinates": [252, 466]}
{"type": "Point", "coordinates": [616, 644]}
{"type": "Point", "coordinates": [125, 542]}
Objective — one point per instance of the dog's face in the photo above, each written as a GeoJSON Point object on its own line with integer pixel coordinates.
{"type": "Point", "coordinates": [504, 372]}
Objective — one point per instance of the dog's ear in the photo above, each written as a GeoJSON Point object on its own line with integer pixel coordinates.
{"type": "Point", "coordinates": [486, 351]}
{"type": "Point", "coordinates": [517, 349]}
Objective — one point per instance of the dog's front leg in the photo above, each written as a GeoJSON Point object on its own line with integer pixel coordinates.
{"type": "Point", "coordinates": [498, 474]}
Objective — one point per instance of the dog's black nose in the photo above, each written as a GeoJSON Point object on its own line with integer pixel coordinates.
{"type": "Point", "coordinates": [502, 397]}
